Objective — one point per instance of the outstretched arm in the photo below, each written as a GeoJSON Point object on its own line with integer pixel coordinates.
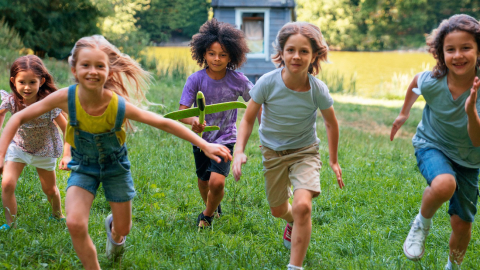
{"type": "Point", "coordinates": [177, 129]}
{"type": "Point", "coordinates": [3, 113]}
{"type": "Point", "coordinates": [56, 100]}
{"type": "Point", "coordinates": [410, 98]}
{"type": "Point", "coordinates": [472, 114]}
{"type": "Point", "coordinates": [244, 132]}
{"type": "Point", "coordinates": [331, 124]}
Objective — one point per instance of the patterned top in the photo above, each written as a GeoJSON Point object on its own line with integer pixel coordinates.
{"type": "Point", "coordinates": [38, 137]}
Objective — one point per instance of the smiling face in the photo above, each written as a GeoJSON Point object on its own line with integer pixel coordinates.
{"type": "Point", "coordinates": [217, 58]}
{"type": "Point", "coordinates": [297, 54]}
{"type": "Point", "coordinates": [461, 52]}
{"type": "Point", "coordinates": [91, 69]}
{"type": "Point", "coordinates": [27, 84]}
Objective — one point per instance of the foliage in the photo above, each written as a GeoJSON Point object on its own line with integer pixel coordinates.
{"type": "Point", "coordinates": [380, 24]}
{"type": "Point", "coordinates": [10, 44]}
{"type": "Point", "coordinates": [161, 18]}
{"type": "Point", "coordinates": [51, 27]}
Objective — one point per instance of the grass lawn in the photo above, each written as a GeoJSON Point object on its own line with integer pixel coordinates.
{"type": "Point", "coordinates": [362, 226]}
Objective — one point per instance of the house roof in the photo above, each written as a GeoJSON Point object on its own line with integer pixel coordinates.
{"type": "Point", "coordinates": [253, 3]}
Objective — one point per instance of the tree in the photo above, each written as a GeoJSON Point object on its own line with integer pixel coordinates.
{"type": "Point", "coordinates": [161, 18]}
{"type": "Point", "coordinates": [51, 26]}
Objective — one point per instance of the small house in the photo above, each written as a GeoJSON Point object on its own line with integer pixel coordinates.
{"type": "Point", "coordinates": [260, 20]}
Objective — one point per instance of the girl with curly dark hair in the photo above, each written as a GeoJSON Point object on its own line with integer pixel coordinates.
{"type": "Point", "coordinates": [219, 48]}
{"type": "Point", "coordinates": [37, 142]}
{"type": "Point", "coordinates": [448, 137]}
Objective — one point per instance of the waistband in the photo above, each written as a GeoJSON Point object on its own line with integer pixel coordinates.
{"type": "Point", "coordinates": [101, 159]}
{"type": "Point", "coordinates": [289, 151]}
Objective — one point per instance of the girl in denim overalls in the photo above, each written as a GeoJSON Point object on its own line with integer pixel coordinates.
{"type": "Point", "coordinates": [97, 109]}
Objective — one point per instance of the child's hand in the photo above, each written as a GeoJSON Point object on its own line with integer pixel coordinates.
{"type": "Point", "coordinates": [240, 159]}
{"type": "Point", "coordinates": [397, 124]}
{"type": "Point", "coordinates": [196, 127]}
{"type": "Point", "coordinates": [338, 172]}
{"type": "Point", "coordinates": [217, 151]}
{"type": "Point", "coordinates": [471, 102]}
{"type": "Point", "coordinates": [64, 162]}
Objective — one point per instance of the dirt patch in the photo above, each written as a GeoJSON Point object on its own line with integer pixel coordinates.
{"type": "Point", "coordinates": [374, 128]}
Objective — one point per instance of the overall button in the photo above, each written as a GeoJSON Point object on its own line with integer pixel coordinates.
{"type": "Point", "coordinates": [99, 144]}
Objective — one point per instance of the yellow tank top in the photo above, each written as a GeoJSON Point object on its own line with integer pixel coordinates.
{"type": "Point", "coordinates": [95, 124]}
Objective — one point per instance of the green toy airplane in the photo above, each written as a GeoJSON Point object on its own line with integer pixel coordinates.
{"type": "Point", "coordinates": [203, 109]}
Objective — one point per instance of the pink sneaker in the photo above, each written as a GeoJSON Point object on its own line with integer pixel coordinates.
{"type": "Point", "coordinates": [287, 236]}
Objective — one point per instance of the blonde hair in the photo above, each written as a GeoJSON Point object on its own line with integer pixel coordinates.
{"type": "Point", "coordinates": [126, 73]}
{"type": "Point", "coordinates": [311, 32]}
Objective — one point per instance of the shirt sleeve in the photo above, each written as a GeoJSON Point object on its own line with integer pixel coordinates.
{"type": "Point", "coordinates": [323, 98]}
{"type": "Point", "coordinates": [248, 86]}
{"type": "Point", "coordinates": [6, 101]}
{"type": "Point", "coordinates": [424, 75]}
{"type": "Point", "coordinates": [257, 93]}
{"type": "Point", "coordinates": [189, 91]}
{"type": "Point", "coordinates": [56, 112]}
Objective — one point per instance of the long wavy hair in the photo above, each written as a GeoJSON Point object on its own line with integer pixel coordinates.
{"type": "Point", "coordinates": [126, 74]}
{"type": "Point", "coordinates": [312, 33]}
{"type": "Point", "coordinates": [435, 40]}
{"type": "Point", "coordinates": [230, 38]}
{"type": "Point", "coordinates": [30, 63]}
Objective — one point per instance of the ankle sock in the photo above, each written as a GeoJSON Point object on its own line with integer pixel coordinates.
{"type": "Point", "coordinates": [451, 265]}
{"type": "Point", "coordinates": [293, 267]}
{"type": "Point", "coordinates": [427, 222]}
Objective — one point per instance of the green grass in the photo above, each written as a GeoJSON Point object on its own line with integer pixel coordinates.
{"type": "Point", "coordinates": [362, 226]}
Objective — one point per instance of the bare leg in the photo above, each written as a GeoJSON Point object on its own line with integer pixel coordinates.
{"type": "Point", "coordinates": [78, 202]}
{"type": "Point", "coordinates": [302, 230]}
{"type": "Point", "coordinates": [440, 191]}
{"type": "Point", "coordinates": [459, 239]}
{"type": "Point", "coordinates": [49, 187]}
{"type": "Point", "coordinates": [216, 186]}
{"type": "Point", "coordinates": [203, 188]}
{"type": "Point", "coordinates": [122, 220]}
{"type": "Point", "coordinates": [11, 173]}
{"type": "Point", "coordinates": [283, 211]}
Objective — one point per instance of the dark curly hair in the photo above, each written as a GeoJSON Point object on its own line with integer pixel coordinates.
{"type": "Point", "coordinates": [35, 64]}
{"type": "Point", "coordinates": [310, 31]}
{"type": "Point", "coordinates": [459, 22]}
{"type": "Point", "coordinates": [230, 38]}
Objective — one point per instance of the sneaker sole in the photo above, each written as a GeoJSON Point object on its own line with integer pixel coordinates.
{"type": "Point", "coordinates": [411, 257]}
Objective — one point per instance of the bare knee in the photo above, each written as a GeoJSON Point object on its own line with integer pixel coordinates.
{"type": "Point", "coordinates": [459, 226]}
{"type": "Point", "coordinates": [216, 185]}
{"type": "Point", "coordinates": [302, 209]}
{"type": "Point", "coordinates": [279, 211]}
{"type": "Point", "coordinates": [8, 186]}
{"type": "Point", "coordinates": [202, 184]}
{"type": "Point", "coordinates": [50, 191]}
{"type": "Point", "coordinates": [444, 186]}
{"type": "Point", "coordinates": [77, 227]}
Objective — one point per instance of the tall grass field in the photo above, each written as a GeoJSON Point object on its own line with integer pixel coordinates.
{"type": "Point", "coordinates": [362, 226]}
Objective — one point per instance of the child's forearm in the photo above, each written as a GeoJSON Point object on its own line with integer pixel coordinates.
{"type": "Point", "coordinates": [473, 127]}
{"type": "Point", "coordinates": [333, 134]}
{"type": "Point", "coordinates": [8, 133]}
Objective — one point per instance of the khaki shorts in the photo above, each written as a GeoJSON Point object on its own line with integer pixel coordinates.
{"type": "Point", "coordinates": [299, 168]}
{"type": "Point", "coordinates": [16, 154]}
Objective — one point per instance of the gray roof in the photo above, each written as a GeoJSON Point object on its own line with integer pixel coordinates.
{"type": "Point", "coordinates": [253, 3]}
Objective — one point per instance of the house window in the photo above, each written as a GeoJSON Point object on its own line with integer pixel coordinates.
{"type": "Point", "coordinates": [255, 24]}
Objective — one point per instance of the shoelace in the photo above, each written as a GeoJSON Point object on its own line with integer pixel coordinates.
{"type": "Point", "coordinates": [413, 239]}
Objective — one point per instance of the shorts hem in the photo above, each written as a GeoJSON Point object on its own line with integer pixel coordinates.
{"type": "Point", "coordinates": [453, 212]}
{"type": "Point", "coordinates": [120, 200]}
{"type": "Point", "coordinates": [82, 187]}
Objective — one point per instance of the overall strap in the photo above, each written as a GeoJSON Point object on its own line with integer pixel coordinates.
{"type": "Point", "coordinates": [120, 113]}
{"type": "Point", "coordinates": [72, 112]}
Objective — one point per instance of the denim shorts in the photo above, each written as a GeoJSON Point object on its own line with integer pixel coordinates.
{"type": "Point", "coordinates": [205, 166]}
{"type": "Point", "coordinates": [116, 178]}
{"type": "Point", "coordinates": [433, 162]}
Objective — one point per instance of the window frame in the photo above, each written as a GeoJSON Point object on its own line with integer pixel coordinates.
{"type": "Point", "coordinates": [266, 29]}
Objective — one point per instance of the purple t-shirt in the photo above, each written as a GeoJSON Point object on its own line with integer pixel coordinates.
{"type": "Point", "coordinates": [229, 88]}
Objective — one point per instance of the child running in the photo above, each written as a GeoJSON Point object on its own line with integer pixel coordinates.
{"type": "Point", "coordinates": [37, 142]}
{"type": "Point", "coordinates": [219, 48]}
{"type": "Point", "coordinates": [448, 137]}
{"type": "Point", "coordinates": [97, 110]}
{"type": "Point", "coordinates": [290, 96]}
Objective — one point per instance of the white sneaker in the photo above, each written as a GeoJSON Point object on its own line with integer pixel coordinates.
{"type": "Point", "coordinates": [414, 245]}
{"type": "Point", "coordinates": [113, 250]}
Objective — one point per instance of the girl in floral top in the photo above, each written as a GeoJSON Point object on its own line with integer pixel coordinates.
{"type": "Point", "coordinates": [37, 142]}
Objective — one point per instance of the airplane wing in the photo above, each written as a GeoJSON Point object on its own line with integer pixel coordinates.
{"type": "Point", "coordinates": [214, 108]}
{"type": "Point", "coordinates": [211, 128]}
{"type": "Point", "coordinates": [220, 107]}
{"type": "Point", "coordinates": [183, 113]}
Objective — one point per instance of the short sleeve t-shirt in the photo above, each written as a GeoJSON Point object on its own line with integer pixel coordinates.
{"type": "Point", "coordinates": [444, 122]}
{"type": "Point", "coordinates": [289, 117]}
{"type": "Point", "coordinates": [38, 137]}
{"type": "Point", "coordinates": [227, 89]}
